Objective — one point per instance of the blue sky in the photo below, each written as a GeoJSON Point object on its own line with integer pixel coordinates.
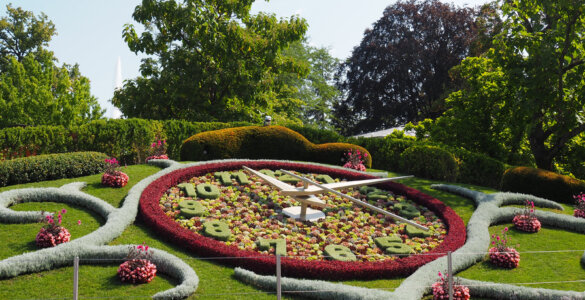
{"type": "Point", "coordinates": [89, 33]}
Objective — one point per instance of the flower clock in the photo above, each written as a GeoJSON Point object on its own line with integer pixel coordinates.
{"type": "Point", "coordinates": [53, 234]}
{"type": "Point", "coordinates": [324, 221]}
{"type": "Point", "coordinates": [137, 268]}
{"type": "Point", "coordinates": [113, 177]}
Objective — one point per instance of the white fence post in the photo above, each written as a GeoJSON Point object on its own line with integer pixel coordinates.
{"type": "Point", "coordinates": [278, 287]}
{"type": "Point", "coordinates": [76, 278]}
{"type": "Point", "coordinates": [450, 271]}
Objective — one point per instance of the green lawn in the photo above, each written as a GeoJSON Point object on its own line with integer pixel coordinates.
{"type": "Point", "coordinates": [217, 282]}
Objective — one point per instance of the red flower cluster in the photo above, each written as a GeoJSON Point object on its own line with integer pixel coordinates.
{"type": "Point", "coordinates": [441, 290]}
{"type": "Point", "coordinates": [51, 238]}
{"type": "Point", "coordinates": [264, 263]}
{"type": "Point", "coordinates": [137, 271]}
{"type": "Point", "coordinates": [526, 223]}
{"type": "Point", "coordinates": [115, 179]}
{"type": "Point", "coordinates": [579, 213]}
{"type": "Point", "coordinates": [508, 258]}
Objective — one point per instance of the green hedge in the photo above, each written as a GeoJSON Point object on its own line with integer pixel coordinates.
{"type": "Point", "coordinates": [51, 166]}
{"type": "Point", "coordinates": [275, 142]}
{"type": "Point", "coordinates": [430, 162]}
{"type": "Point", "coordinates": [542, 183]}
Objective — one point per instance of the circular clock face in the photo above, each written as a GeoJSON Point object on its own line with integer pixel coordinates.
{"type": "Point", "coordinates": [224, 210]}
{"type": "Point", "coordinates": [248, 213]}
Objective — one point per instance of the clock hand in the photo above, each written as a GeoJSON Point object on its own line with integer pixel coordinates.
{"type": "Point", "coordinates": [283, 186]}
{"type": "Point", "coordinates": [312, 189]}
{"type": "Point", "coordinates": [374, 208]}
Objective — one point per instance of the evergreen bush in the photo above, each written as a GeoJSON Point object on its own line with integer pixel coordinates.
{"type": "Point", "coordinates": [50, 166]}
{"type": "Point", "coordinates": [430, 162]}
{"type": "Point", "coordinates": [542, 183]}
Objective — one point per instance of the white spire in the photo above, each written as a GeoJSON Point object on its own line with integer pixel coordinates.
{"type": "Point", "coordinates": [116, 113]}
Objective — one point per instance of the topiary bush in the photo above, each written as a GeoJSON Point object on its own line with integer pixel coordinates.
{"type": "Point", "coordinates": [542, 183]}
{"type": "Point", "coordinates": [264, 142]}
{"type": "Point", "coordinates": [430, 162]}
{"type": "Point", "coordinates": [51, 166]}
{"type": "Point", "coordinates": [479, 169]}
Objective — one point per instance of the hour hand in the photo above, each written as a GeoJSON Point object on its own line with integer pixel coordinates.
{"type": "Point", "coordinates": [283, 186]}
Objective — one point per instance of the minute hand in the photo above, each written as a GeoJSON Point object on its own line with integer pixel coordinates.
{"type": "Point", "coordinates": [399, 218]}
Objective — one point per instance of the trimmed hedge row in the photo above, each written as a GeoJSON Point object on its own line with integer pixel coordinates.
{"type": "Point", "coordinates": [270, 142]}
{"type": "Point", "coordinates": [542, 183]}
{"type": "Point", "coordinates": [265, 264]}
{"type": "Point", "coordinates": [127, 139]}
{"type": "Point", "coordinates": [51, 166]}
{"type": "Point", "coordinates": [422, 159]}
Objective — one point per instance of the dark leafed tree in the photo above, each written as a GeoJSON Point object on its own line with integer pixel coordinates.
{"type": "Point", "coordinates": [210, 60]}
{"type": "Point", "coordinates": [400, 70]}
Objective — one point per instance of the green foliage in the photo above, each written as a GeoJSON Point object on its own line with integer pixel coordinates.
{"type": "Point", "coordinates": [21, 32]}
{"type": "Point", "coordinates": [338, 252]}
{"type": "Point", "coordinates": [129, 140]}
{"type": "Point", "coordinates": [542, 183]}
{"type": "Point", "coordinates": [38, 139]}
{"type": "Point", "coordinates": [317, 135]}
{"type": "Point", "coordinates": [527, 94]}
{"type": "Point", "coordinates": [50, 166]}
{"type": "Point", "coordinates": [33, 89]}
{"type": "Point", "coordinates": [191, 208]}
{"type": "Point", "coordinates": [210, 60]}
{"type": "Point", "coordinates": [430, 162]}
{"type": "Point", "coordinates": [317, 90]}
{"type": "Point", "coordinates": [255, 142]}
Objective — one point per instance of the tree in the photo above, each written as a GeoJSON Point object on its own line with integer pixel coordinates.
{"type": "Point", "coordinates": [541, 56]}
{"type": "Point", "coordinates": [317, 90]}
{"type": "Point", "coordinates": [399, 71]}
{"type": "Point", "coordinates": [21, 32]}
{"type": "Point", "coordinates": [33, 90]}
{"type": "Point", "coordinates": [210, 60]}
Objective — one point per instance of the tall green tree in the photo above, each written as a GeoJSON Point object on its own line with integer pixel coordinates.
{"type": "Point", "coordinates": [33, 89]}
{"type": "Point", "coordinates": [210, 60]}
{"type": "Point", "coordinates": [317, 90]}
{"type": "Point", "coordinates": [541, 57]}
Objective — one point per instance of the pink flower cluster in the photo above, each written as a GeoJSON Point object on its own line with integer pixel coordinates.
{"type": "Point", "coordinates": [46, 238]}
{"type": "Point", "coordinates": [500, 242]}
{"type": "Point", "coordinates": [441, 290]}
{"type": "Point", "coordinates": [354, 160]}
{"type": "Point", "coordinates": [264, 263]}
{"type": "Point", "coordinates": [579, 211]}
{"type": "Point", "coordinates": [116, 179]}
{"type": "Point", "coordinates": [112, 165]}
{"type": "Point", "coordinates": [53, 234]}
{"type": "Point", "coordinates": [505, 258]}
{"type": "Point", "coordinates": [137, 271]}
{"type": "Point", "coordinates": [137, 268]}
{"type": "Point", "coordinates": [526, 223]}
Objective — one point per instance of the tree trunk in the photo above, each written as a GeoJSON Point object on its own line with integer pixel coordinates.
{"type": "Point", "coordinates": [542, 155]}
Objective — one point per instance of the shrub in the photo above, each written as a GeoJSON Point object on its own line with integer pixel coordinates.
{"type": "Point", "coordinates": [50, 166]}
{"type": "Point", "coordinates": [316, 135]}
{"type": "Point", "coordinates": [542, 183]}
{"type": "Point", "coordinates": [263, 142]}
{"type": "Point", "coordinates": [430, 162]}
{"type": "Point", "coordinates": [479, 169]}
{"type": "Point", "coordinates": [39, 139]}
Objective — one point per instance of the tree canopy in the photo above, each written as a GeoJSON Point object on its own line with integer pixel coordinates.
{"type": "Point", "coordinates": [317, 90]}
{"type": "Point", "coordinates": [210, 60]}
{"type": "Point", "coordinates": [399, 71]}
{"type": "Point", "coordinates": [537, 97]}
{"type": "Point", "coordinates": [33, 89]}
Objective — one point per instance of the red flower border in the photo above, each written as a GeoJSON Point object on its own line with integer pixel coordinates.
{"type": "Point", "coordinates": [266, 264]}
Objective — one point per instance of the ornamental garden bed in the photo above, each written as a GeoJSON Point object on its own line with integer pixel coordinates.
{"type": "Point", "coordinates": [246, 214]}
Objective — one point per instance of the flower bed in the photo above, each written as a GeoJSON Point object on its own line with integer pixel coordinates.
{"type": "Point", "coordinates": [264, 263]}
{"type": "Point", "coordinates": [441, 290]}
{"type": "Point", "coordinates": [505, 258]}
{"type": "Point", "coordinates": [117, 179]}
{"type": "Point", "coordinates": [51, 238]}
{"type": "Point", "coordinates": [526, 223]}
